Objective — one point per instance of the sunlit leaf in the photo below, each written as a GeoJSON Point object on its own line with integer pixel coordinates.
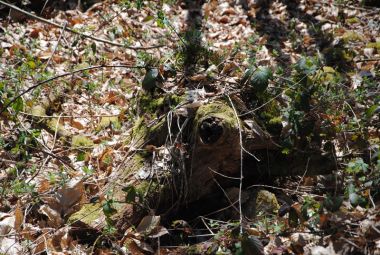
{"type": "Point", "coordinates": [260, 78]}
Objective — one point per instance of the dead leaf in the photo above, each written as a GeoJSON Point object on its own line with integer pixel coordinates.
{"type": "Point", "coordinates": [143, 246]}
{"type": "Point", "coordinates": [70, 194]}
{"type": "Point", "coordinates": [198, 77]}
{"type": "Point", "coordinates": [105, 159]}
{"type": "Point", "coordinates": [19, 217]}
{"type": "Point", "coordinates": [159, 231]}
{"type": "Point", "coordinates": [147, 224]}
{"type": "Point", "coordinates": [224, 19]}
{"type": "Point", "coordinates": [43, 186]}
{"type": "Point", "coordinates": [34, 33]}
{"type": "Point", "coordinates": [54, 218]}
{"type": "Point", "coordinates": [76, 124]}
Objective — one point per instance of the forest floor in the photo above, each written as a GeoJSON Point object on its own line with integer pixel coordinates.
{"type": "Point", "coordinates": [70, 96]}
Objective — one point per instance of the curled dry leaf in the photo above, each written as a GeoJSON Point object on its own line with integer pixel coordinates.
{"type": "Point", "coordinates": [19, 217]}
{"type": "Point", "coordinates": [54, 218]}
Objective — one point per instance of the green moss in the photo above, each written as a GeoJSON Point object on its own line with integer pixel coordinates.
{"type": "Point", "coordinates": [352, 20]}
{"type": "Point", "coordinates": [275, 121]}
{"type": "Point", "coordinates": [351, 36]}
{"type": "Point", "coordinates": [107, 121]}
{"type": "Point", "coordinates": [375, 45]}
{"type": "Point", "coordinates": [219, 110]}
{"type": "Point", "coordinates": [148, 104]}
{"type": "Point", "coordinates": [38, 110]}
{"type": "Point", "coordinates": [266, 202]}
{"type": "Point", "coordinates": [80, 141]}
{"type": "Point", "coordinates": [54, 125]}
{"type": "Point", "coordinates": [88, 214]}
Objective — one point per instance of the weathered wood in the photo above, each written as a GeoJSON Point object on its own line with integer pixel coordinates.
{"type": "Point", "coordinates": [213, 156]}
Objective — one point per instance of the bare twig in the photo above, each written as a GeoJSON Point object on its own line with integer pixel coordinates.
{"type": "Point", "coordinates": [56, 46]}
{"type": "Point", "coordinates": [306, 168]}
{"type": "Point", "coordinates": [367, 60]}
{"type": "Point", "coordinates": [77, 32]}
{"type": "Point", "coordinates": [69, 116]}
{"type": "Point", "coordinates": [283, 189]}
{"type": "Point", "coordinates": [241, 165]}
{"type": "Point", "coordinates": [225, 176]}
{"type": "Point", "coordinates": [60, 76]}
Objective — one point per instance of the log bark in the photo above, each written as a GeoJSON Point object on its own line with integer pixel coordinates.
{"type": "Point", "coordinates": [213, 156]}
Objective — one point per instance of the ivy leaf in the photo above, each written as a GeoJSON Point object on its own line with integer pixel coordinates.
{"type": "Point", "coordinates": [108, 210]}
{"type": "Point", "coordinates": [332, 203]}
{"type": "Point", "coordinates": [131, 194]}
{"type": "Point", "coordinates": [150, 79]}
{"type": "Point", "coordinates": [247, 75]}
{"type": "Point", "coordinates": [307, 66]}
{"type": "Point", "coordinates": [260, 79]}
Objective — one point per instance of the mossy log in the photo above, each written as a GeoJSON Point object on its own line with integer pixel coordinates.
{"type": "Point", "coordinates": [213, 159]}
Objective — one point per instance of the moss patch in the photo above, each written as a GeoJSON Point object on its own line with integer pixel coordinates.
{"type": "Point", "coordinates": [54, 126]}
{"type": "Point", "coordinates": [108, 121]}
{"type": "Point", "coordinates": [375, 45]}
{"type": "Point", "coordinates": [38, 110]}
{"type": "Point", "coordinates": [90, 214]}
{"type": "Point", "coordinates": [149, 104]}
{"type": "Point", "coordinates": [266, 202]}
{"type": "Point", "coordinates": [80, 141]}
{"type": "Point", "coordinates": [219, 110]}
{"type": "Point", "coordinates": [351, 36]}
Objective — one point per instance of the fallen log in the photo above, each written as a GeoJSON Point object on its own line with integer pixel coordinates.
{"type": "Point", "coordinates": [170, 175]}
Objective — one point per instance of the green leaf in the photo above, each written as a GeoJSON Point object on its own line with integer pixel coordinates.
{"type": "Point", "coordinates": [260, 78]}
{"type": "Point", "coordinates": [357, 166]}
{"type": "Point", "coordinates": [81, 156]}
{"type": "Point", "coordinates": [18, 104]}
{"type": "Point", "coordinates": [108, 209]}
{"type": "Point", "coordinates": [332, 203]}
{"type": "Point", "coordinates": [372, 110]}
{"type": "Point", "coordinates": [149, 82]}
{"type": "Point", "coordinates": [93, 47]}
{"type": "Point", "coordinates": [307, 66]}
{"type": "Point", "coordinates": [88, 170]}
{"type": "Point", "coordinates": [161, 20]}
{"type": "Point", "coordinates": [32, 64]}
{"type": "Point", "coordinates": [131, 194]}
{"type": "Point", "coordinates": [247, 75]}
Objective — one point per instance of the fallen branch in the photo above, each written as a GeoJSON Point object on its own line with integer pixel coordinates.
{"type": "Point", "coordinates": [77, 32]}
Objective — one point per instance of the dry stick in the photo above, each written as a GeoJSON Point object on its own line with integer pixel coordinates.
{"type": "Point", "coordinates": [367, 60]}
{"type": "Point", "coordinates": [306, 168]}
{"type": "Point", "coordinates": [56, 46]}
{"type": "Point", "coordinates": [60, 76]}
{"type": "Point", "coordinates": [283, 189]}
{"type": "Point", "coordinates": [77, 32]}
{"type": "Point", "coordinates": [241, 166]}
{"type": "Point", "coordinates": [69, 116]}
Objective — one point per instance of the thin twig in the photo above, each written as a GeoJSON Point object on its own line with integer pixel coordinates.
{"type": "Point", "coordinates": [56, 46]}
{"type": "Point", "coordinates": [241, 165]}
{"type": "Point", "coordinates": [225, 176]}
{"type": "Point", "coordinates": [60, 76]}
{"type": "Point", "coordinates": [306, 168]}
{"type": "Point", "coordinates": [225, 194]}
{"type": "Point", "coordinates": [69, 116]}
{"type": "Point", "coordinates": [79, 33]}
{"type": "Point", "coordinates": [283, 189]}
{"type": "Point", "coordinates": [367, 60]}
